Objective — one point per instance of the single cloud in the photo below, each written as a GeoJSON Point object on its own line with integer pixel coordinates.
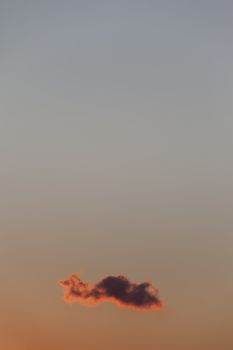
{"type": "Point", "coordinates": [116, 289]}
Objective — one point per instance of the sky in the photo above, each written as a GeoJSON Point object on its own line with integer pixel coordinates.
{"type": "Point", "coordinates": [116, 159]}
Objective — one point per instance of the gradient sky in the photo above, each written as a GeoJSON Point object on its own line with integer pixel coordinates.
{"type": "Point", "coordinates": [116, 158]}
